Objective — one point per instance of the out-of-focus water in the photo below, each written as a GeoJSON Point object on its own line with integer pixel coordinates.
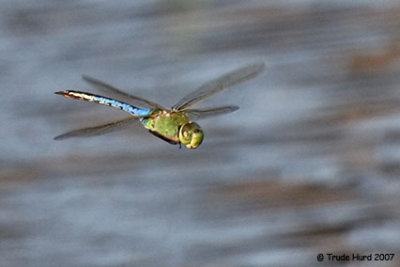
{"type": "Point", "coordinates": [308, 165]}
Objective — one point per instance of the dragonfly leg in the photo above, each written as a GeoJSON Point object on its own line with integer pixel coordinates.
{"type": "Point", "coordinates": [163, 138]}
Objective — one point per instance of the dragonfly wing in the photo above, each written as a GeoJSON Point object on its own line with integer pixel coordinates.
{"type": "Point", "coordinates": [99, 129]}
{"type": "Point", "coordinates": [203, 113]}
{"type": "Point", "coordinates": [215, 86]}
{"type": "Point", "coordinates": [109, 88]}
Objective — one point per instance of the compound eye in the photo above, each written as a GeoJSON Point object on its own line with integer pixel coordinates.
{"type": "Point", "coordinates": [191, 135]}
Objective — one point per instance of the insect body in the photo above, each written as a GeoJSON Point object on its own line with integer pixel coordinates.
{"type": "Point", "coordinates": [172, 125]}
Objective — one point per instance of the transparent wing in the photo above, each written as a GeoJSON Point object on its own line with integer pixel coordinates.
{"type": "Point", "coordinates": [204, 113]}
{"type": "Point", "coordinates": [99, 129]}
{"type": "Point", "coordinates": [215, 86]}
{"type": "Point", "coordinates": [109, 88]}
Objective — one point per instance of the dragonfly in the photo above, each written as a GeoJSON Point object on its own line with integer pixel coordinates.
{"type": "Point", "coordinates": [173, 125]}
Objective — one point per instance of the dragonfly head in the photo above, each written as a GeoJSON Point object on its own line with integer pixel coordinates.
{"type": "Point", "coordinates": [191, 135]}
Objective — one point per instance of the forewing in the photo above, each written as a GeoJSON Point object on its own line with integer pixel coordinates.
{"type": "Point", "coordinates": [109, 88]}
{"type": "Point", "coordinates": [204, 113]}
{"type": "Point", "coordinates": [215, 86]}
{"type": "Point", "coordinates": [99, 129]}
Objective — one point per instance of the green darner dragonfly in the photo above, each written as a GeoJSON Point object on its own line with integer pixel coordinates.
{"type": "Point", "coordinates": [173, 125]}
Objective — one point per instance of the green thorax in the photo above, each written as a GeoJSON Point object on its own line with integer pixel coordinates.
{"type": "Point", "coordinates": [166, 123]}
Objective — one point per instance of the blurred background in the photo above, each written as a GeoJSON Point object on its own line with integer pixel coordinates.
{"type": "Point", "coordinates": [308, 165]}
